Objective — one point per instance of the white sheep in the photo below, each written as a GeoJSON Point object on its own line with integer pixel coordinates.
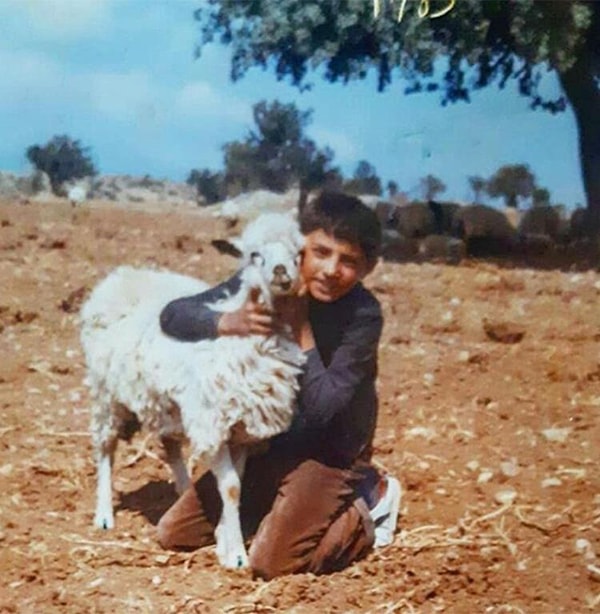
{"type": "Point", "coordinates": [77, 195]}
{"type": "Point", "coordinates": [221, 394]}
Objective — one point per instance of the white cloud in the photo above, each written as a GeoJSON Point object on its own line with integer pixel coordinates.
{"type": "Point", "coordinates": [61, 20]}
{"type": "Point", "coordinates": [199, 99]}
{"type": "Point", "coordinates": [28, 76]}
{"type": "Point", "coordinates": [129, 96]}
{"type": "Point", "coordinates": [345, 149]}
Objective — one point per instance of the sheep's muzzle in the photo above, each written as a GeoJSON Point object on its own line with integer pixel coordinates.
{"type": "Point", "coordinates": [281, 282]}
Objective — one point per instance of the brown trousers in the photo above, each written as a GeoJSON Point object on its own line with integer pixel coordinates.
{"type": "Point", "coordinates": [305, 516]}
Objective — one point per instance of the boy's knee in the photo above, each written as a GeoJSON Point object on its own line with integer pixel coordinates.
{"type": "Point", "coordinates": [266, 564]}
{"type": "Point", "coordinates": [165, 533]}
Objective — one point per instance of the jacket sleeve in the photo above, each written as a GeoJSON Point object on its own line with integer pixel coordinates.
{"type": "Point", "coordinates": [327, 390]}
{"type": "Point", "coordinates": [189, 318]}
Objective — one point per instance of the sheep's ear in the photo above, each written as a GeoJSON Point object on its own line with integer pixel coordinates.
{"type": "Point", "coordinates": [227, 246]}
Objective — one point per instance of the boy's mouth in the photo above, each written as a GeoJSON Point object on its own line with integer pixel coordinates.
{"type": "Point", "coordinates": [325, 287]}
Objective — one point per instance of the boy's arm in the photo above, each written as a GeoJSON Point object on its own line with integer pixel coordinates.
{"type": "Point", "coordinates": [326, 391]}
{"type": "Point", "coordinates": [189, 318]}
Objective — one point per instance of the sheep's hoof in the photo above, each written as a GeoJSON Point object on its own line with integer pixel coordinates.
{"type": "Point", "coordinates": [104, 522]}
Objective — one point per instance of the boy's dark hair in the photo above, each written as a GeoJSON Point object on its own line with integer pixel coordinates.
{"type": "Point", "coordinates": [346, 218]}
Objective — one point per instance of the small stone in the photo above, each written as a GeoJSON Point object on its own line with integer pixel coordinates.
{"type": "Point", "coordinates": [505, 497]}
{"type": "Point", "coordinates": [583, 546]}
{"type": "Point", "coordinates": [509, 468]}
{"type": "Point", "coordinates": [485, 476]}
{"type": "Point", "coordinates": [549, 482]}
{"type": "Point", "coordinates": [428, 379]}
{"type": "Point", "coordinates": [473, 465]}
{"type": "Point", "coordinates": [558, 435]}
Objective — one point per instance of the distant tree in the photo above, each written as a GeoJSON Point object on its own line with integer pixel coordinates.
{"type": "Point", "coordinates": [479, 42]}
{"type": "Point", "coordinates": [208, 184]}
{"type": "Point", "coordinates": [276, 154]}
{"type": "Point", "coordinates": [392, 188]}
{"type": "Point", "coordinates": [364, 180]}
{"type": "Point", "coordinates": [540, 197]}
{"type": "Point", "coordinates": [62, 159]}
{"type": "Point", "coordinates": [431, 186]}
{"type": "Point", "coordinates": [511, 182]}
{"type": "Point", "coordinates": [478, 185]}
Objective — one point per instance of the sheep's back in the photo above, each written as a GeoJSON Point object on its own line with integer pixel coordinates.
{"type": "Point", "coordinates": [121, 318]}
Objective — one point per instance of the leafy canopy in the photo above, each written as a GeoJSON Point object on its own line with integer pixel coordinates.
{"type": "Point", "coordinates": [275, 154]}
{"type": "Point", "coordinates": [482, 41]}
{"type": "Point", "coordinates": [62, 159]}
{"type": "Point", "coordinates": [512, 182]}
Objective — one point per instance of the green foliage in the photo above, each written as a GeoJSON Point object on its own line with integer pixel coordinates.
{"type": "Point", "coordinates": [478, 185]}
{"type": "Point", "coordinates": [392, 188]}
{"type": "Point", "coordinates": [62, 159]}
{"type": "Point", "coordinates": [483, 42]}
{"type": "Point", "coordinates": [475, 44]}
{"type": "Point", "coordinates": [540, 197]}
{"type": "Point", "coordinates": [512, 182]}
{"type": "Point", "coordinates": [364, 180]}
{"type": "Point", "coordinates": [276, 155]}
{"type": "Point", "coordinates": [431, 186]}
{"type": "Point", "coordinates": [209, 185]}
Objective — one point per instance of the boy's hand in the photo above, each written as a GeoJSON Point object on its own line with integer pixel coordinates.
{"type": "Point", "coordinates": [252, 318]}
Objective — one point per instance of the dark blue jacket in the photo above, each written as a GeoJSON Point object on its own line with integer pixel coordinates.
{"type": "Point", "coordinates": [337, 402]}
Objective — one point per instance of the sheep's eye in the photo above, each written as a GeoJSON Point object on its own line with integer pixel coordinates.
{"type": "Point", "coordinates": [256, 258]}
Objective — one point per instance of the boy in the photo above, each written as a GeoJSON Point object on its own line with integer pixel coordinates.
{"type": "Point", "coordinates": [306, 501]}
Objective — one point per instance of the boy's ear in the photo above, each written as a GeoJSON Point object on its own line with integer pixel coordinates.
{"type": "Point", "coordinates": [227, 246]}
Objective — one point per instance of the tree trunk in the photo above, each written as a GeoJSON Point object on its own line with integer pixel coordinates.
{"type": "Point", "coordinates": [583, 91]}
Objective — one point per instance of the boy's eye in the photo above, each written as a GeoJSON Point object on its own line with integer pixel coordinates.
{"type": "Point", "coordinates": [349, 262]}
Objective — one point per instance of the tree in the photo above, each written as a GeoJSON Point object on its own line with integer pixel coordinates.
{"type": "Point", "coordinates": [276, 154]}
{"type": "Point", "coordinates": [431, 186]}
{"type": "Point", "coordinates": [481, 43]}
{"type": "Point", "coordinates": [208, 184]}
{"type": "Point", "coordinates": [62, 159]}
{"type": "Point", "coordinates": [540, 197]}
{"type": "Point", "coordinates": [511, 182]}
{"type": "Point", "coordinates": [392, 188]}
{"type": "Point", "coordinates": [364, 180]}
{"type": "Point", "coordinates": [478, 185]}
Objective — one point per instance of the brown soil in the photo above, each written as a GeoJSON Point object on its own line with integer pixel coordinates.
{"type": "Point", "coordinates": [478, 361]}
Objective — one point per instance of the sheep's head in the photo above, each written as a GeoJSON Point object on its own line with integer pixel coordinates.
{"type": "Point", "coordinates": [270, 249]}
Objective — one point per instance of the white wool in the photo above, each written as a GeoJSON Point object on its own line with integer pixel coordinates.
{"type": "Point", "coordinates": [214, 392]}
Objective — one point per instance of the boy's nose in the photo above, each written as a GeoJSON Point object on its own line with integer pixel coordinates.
{"type": "Point", "coordinates": [331, 268]}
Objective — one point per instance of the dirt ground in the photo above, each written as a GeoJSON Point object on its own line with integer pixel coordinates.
{"type": "Point", "coordinates": [489, 415]}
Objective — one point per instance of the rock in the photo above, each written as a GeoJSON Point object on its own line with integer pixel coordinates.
{"type": "Point", "coordinates": [505, 497]}
{"type": "Point", "coordinates": [397, 248]}
{"type": "Point", "coordinates": [558, 435]}
{"type": "Point", "coordinates": [441, 247]}
{"type": "Point", "coordinates": [503, 332]}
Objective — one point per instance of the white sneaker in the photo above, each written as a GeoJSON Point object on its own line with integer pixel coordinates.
{"type": "Point", "coordinates": [385, 513]}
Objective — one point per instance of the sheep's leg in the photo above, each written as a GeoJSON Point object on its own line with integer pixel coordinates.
{"type": "Point", "coordinates": [239, 456]}
{"type": "Point", "coordinates": [172, 448]}
{"type": "Point", "coordinates": [104, 517]}
{"type": "Point", "coordinates": [230, 542]}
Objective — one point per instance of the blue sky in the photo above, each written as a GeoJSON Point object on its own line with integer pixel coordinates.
{"type": "Point", "coordinates": [120, 76]}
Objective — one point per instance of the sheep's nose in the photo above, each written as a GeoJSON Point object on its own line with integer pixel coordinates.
{"type": "Point", "coordinates": [279, 270]}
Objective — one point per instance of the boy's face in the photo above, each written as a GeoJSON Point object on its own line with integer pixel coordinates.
{"type": "Point", "coordinates": [331, 267]}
